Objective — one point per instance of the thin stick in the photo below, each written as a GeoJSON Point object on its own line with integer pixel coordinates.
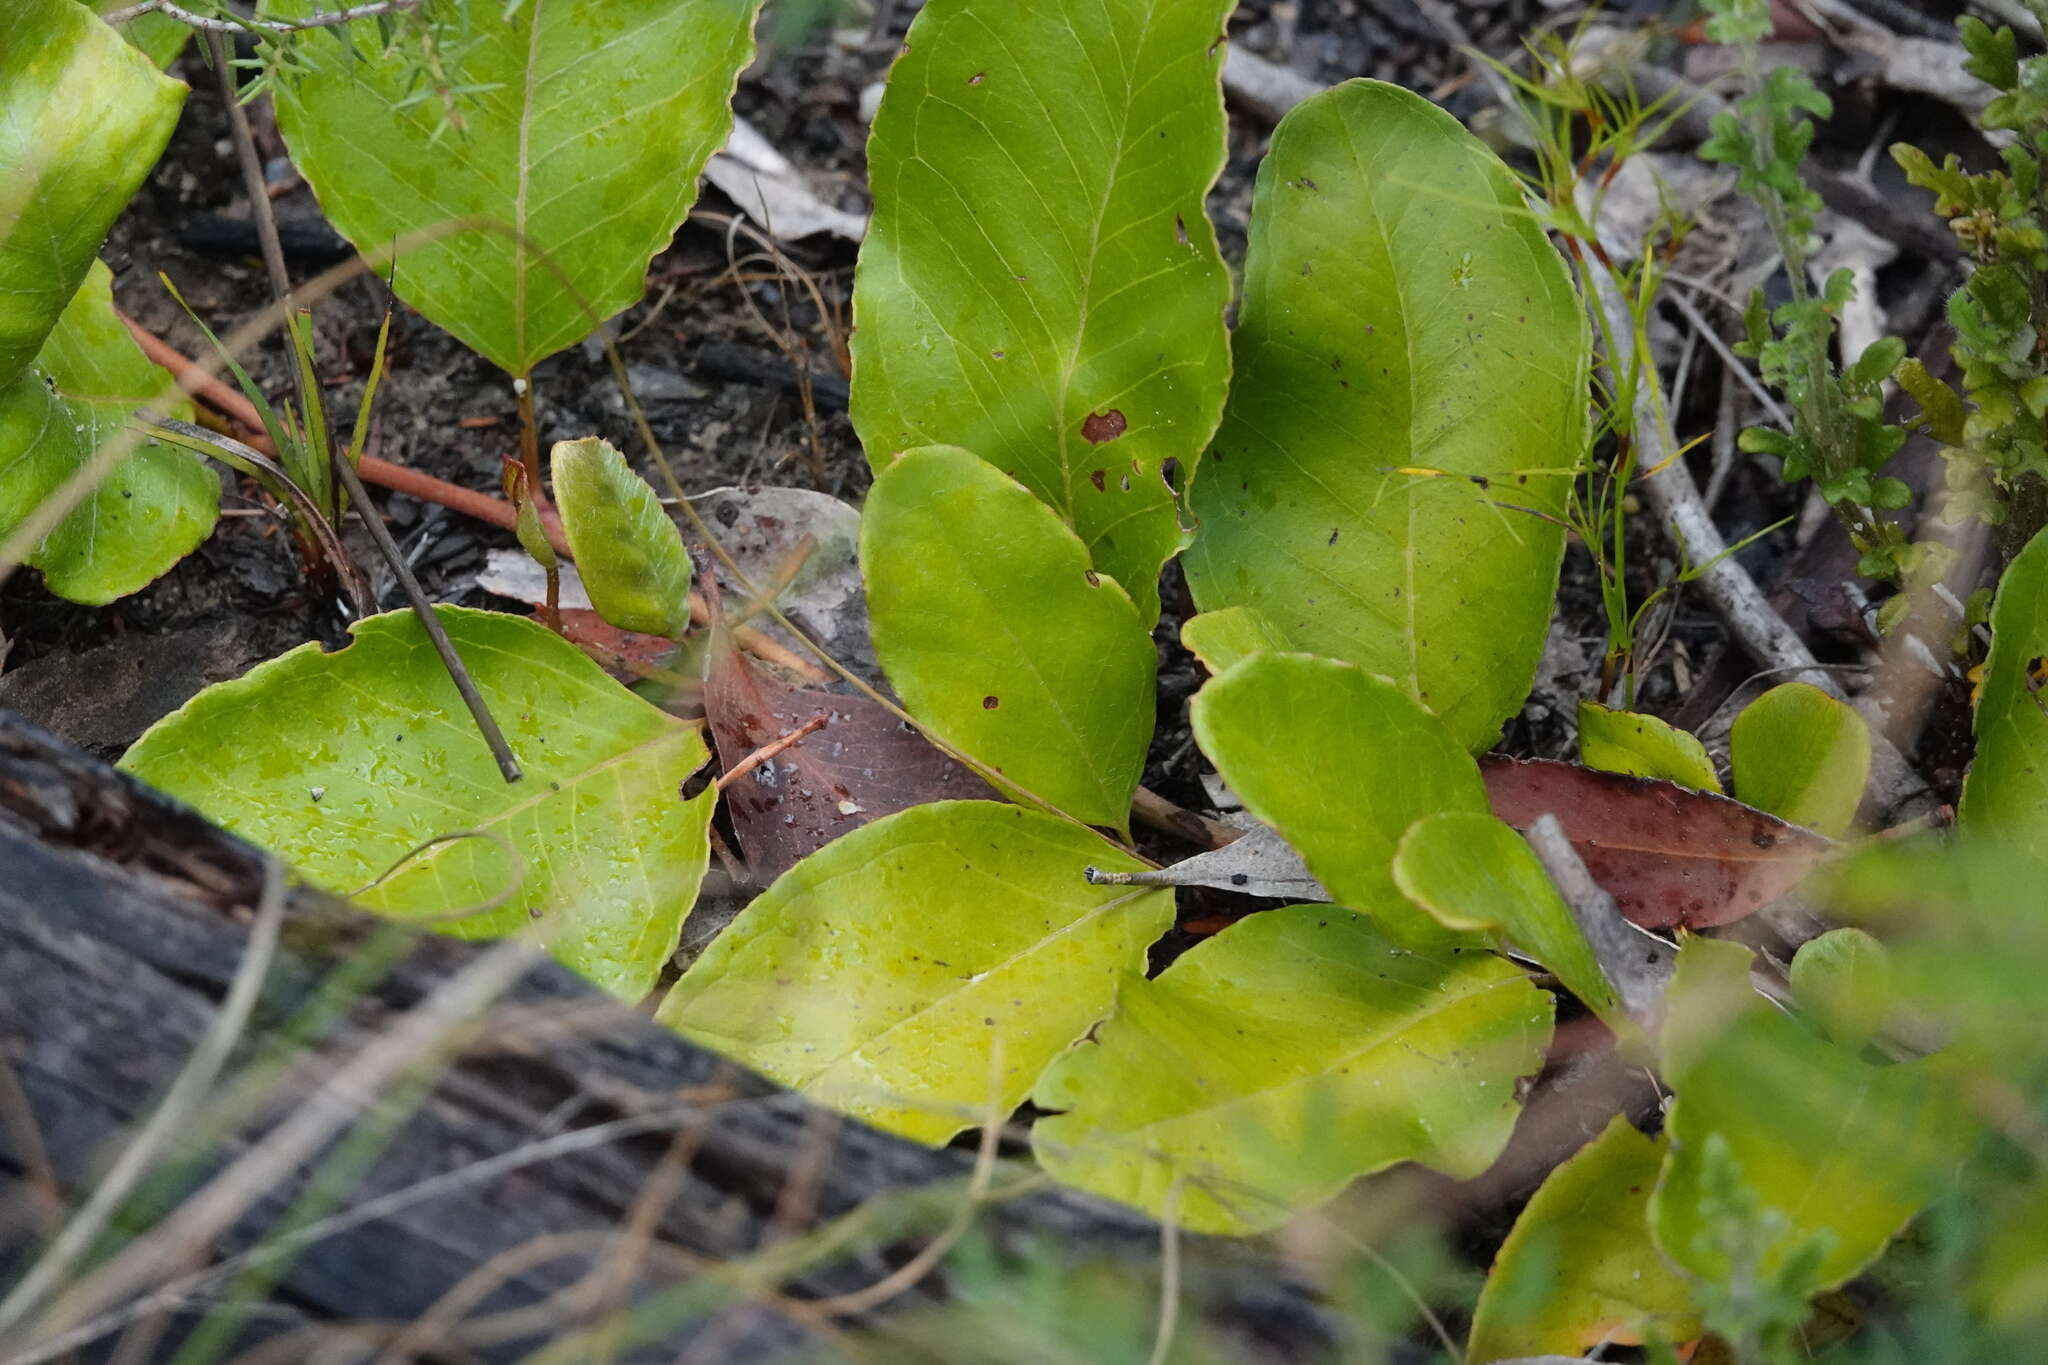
{"type": "Point", "coordinates": [1169, 1274]}
{"type": "Point", "coordinates": [214, 27]}
{"type": "Point", "coordinates": [1637, 970]}
{"type": "Point", "coordinates": [770, 750]}
{"type": "Point", "coordinates": [180, 1102]}
{"type": "Point", "coordinates": [280, 282]}
{"type": "Point", "coordinates": [430, 619]}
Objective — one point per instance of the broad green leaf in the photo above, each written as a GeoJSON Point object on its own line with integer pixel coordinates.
{"type": "Point", "coordinates": [920, 971]}
{"type": "Point", "coordinates": [1578, 1270]}
{"type": "Point", "coordinates": [2005, 795]}
{"type": "Point", "coordinates": [1792, 1161]}
{"type": "Point", "coordinates": [1041, 284]}
{"type": "Point", "coordinates": [998, 635]}
{"type": "Point", "coordinates": [81, 393]}
{"type": "Point", "coordinates": [1474, 872]}
{"type": "Point", "coordinates": [574, 137]}
{"type": "Point", "coordinates": [1275, 1062]}
{"type": "Point", "coordinates": [1643, 746]}
{"type": "Point", "coordinates": [1801, 755]}
{"type": "Point", "coordinates": [1844, 979]}
{"type": "Point", "coordinates": [1221, 638]}
{"type": "Point", "coordinates": [1402, 312]}
{"type": "Point", "coordinates": [343, 764]}
{"type": "Point", "coordinates": [158, 36]}
{"type": "Point", "coordinates": [1341, 764]}
{"type": "Point", "coordinates": [628, 551]}
{"type": "Point", "coordinates": [83, 116]}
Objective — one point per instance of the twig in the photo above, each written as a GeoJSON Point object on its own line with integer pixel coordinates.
{"type": "Point", "coordinates": [1674, 499]}
{"type": "Point", "coordinates": [214, 27]}
{"type": "Point", "coordinates": [1150, 808]}
{"type": "Point", "coordinates": [770, 750]}
{"type": "Point", "coordinates": [1637, 972]}
{"type": "Point", "coordinates": [179, 1104]}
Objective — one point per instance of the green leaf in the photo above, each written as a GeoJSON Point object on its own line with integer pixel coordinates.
{"type": "Point", "coordinates": [919, 972]}
{"type": "Point", "coordinates": [1040, 283]}
{"type": "Point", "coordinates": [1474, 872]}
{"type": "Point", "coordinates": [81, 392]}
{"type": "Point", "coordinates": [1222, 638]}
{"type": "Point", "coordinates": [342, 764]}
{"type": "Point", "coordinates": [1844, 979]}
{"type": "Point", "coordinates": [1643, 746]}
{"type": "Point", "coordinates": [1831, 1156]}
{"type": "Point", "coordinates": [1941, 411]}
{"type": "Point", "coordinates": [83, 116]}
{"type": "Point", "coordinates": [1273, 1063]}
{"type": "Point", "coordinates": [157, 36]}
{"type": "Point", "coordinates": [628, 551]}
{"type": "Point", "coordinates": [575, 141]}
{"type": "Point", "coordinates": [1578, 1270]}
{"type": "Point", "coordinates": [998, 635]}
{"type": "Point", "coordinates": [1801, 755]}
{"type": "Point", "coordinates": [1403, 312]}
{"type": "Point", "coordinates": [1339, 762]}
{"type": "Point", "coordinates": [2005, 795]}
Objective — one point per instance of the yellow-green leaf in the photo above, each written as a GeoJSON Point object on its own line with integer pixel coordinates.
{"type": "Point", "coordinates": [83, 117]}
{"type": "Point", "coordinates": [919, 972]}
{"type": "Point", "coordinates": [1579, 1270]}
{"type": "Point", "coordinates": [1801, 755]}
{"type": "Point", "coordinates": [1221, 638]}
{"type": "Point", "coordinates": [1643, 746]}
{"type": "Point", "coordinates": [997, 633]}
{"type": "Point", "coordinates": [343, 764]}
{"type": "Point", "coordinates": [563, 160]}
{"type": "Point", "coordinates": [1273, 1063]}
{"type": "Point", "coordinates": [628, 552]}
{"type": "Point", "coordinates": [81, 393]}
{"type": "Point", "coordinates": [1341, 764]}
{"type": "Point", "coordinates": [1040, 284]}
{"type": "Point", "coordinates": [2005, 795]}
{"type": "Point", "coordinates": [1410, 371]}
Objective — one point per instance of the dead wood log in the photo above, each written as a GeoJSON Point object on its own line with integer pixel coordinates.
{"type": "Point", "coordinates": [122, 919]}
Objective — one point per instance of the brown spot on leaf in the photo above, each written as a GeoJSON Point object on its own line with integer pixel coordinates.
{"type": "Point", "coordinates": [1100, 427]}
{"type": "Point", "coordinates": [1180, 230]}
{"type": "Point", "coordinates": [1098, 478]}
{"type": "Point", "coordinates": [990, 703]}
{"type": "Point", "coordinates": [977, 78]}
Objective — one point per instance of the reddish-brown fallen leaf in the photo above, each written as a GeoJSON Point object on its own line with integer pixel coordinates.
{"type": "Point", "coordinates": [860, 765]}
{"type": "Point", "coordinates": [613, 648]}
{"type": "Point", "coordinates": [1668, 855]}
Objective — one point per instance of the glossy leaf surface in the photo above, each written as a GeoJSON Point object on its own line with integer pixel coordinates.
{"type": "Point", "coordinates": [1272, 1064]}
{"type": "Point", "coordinates": [344, 763]}
{"type": "Point", "coordinates": [1639, 745]}
{"type": "Point", "coordinates": [1341, 764]}
{"type": "Point", "coordinates": [2005, 795]}
{"type": "Point", "coordinates": [83, 116]}
{"type": "Point", "coordinates": [628, 552]}
{"type": "Point", "coordinates": [1786, 1150]}
{"type": "Point", "coordinates": [1402, 312]}
{"type": "Point", "coordinates": [1474, 873]}
{"type": "Point", "coordinates": [997, 633]}
{"type": "Point", "coordinates": [1801, 755]}
{"type": "Point", "coordinates": [1040, 283]}
{"type": "Point", "coordinates": [1578, 1270]}
{"type": "Point", "coordinates": [577, 138]}
{"type": "Point", "coordinates": [1667, 854]}
{"type": "Point", "coordinates": [920, 972]}
{"type": "Point", "coordinates": [82, 392]}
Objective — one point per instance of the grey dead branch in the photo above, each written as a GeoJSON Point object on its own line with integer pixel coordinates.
{"type": "Point", "coordinates": [1636, 963]}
